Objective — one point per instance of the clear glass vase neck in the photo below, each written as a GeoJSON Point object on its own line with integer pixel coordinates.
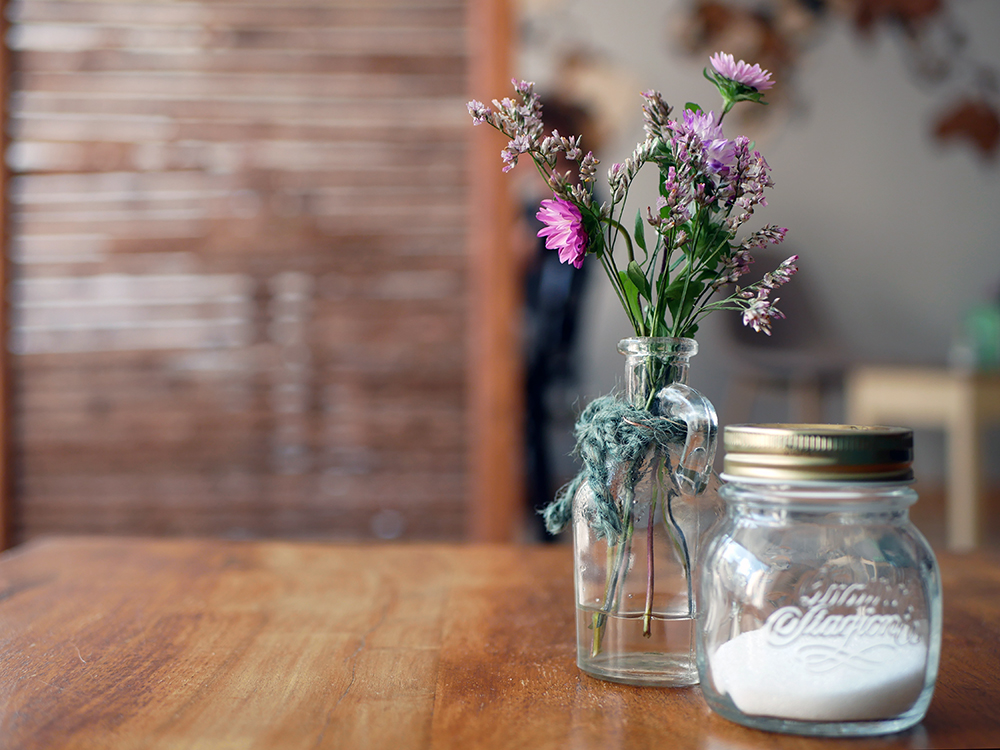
{"type": "Point", "coordinates": [651, 363]}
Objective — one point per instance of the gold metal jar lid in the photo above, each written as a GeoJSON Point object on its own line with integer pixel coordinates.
{"type": "Point", "coordinates": [818, 452]}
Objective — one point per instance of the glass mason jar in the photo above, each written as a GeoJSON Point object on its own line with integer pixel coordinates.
{"type": "Point", "coordinates": [637, 535]}
{"type": "Point", "coordinates": [820, 601]}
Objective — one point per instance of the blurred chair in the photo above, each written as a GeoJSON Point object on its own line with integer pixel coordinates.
{"type": "Point", "coordinates": [963, 404]}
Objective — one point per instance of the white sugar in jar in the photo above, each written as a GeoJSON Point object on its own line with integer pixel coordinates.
{"type": "Point", "coordinates": [820, 602]}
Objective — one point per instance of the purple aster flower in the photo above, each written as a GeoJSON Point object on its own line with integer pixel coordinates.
{"type": "Point", "coordinates": [703, 124]}
{"type": "Point", "coordinates": [719, 151]}
{"type": "Point", "coordinates": [754, 77]}
{"type": "Point", "coordinates": [563, 230]}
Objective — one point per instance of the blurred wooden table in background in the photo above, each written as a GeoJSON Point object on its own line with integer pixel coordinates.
{"type": "Point", "coordinates": [133, 643]}
{"type": "Point", "coordinates": [963, 404]}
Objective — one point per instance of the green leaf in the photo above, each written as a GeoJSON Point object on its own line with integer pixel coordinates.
{"type": "Point", "coordinates": [638, 278]}
{"type": "Point", "coordinates": [631, 298]}
{"type": "Point", "coordinates": [662, 155]}
{"type": "Point", "coordinates": [681, 296]}
{"type": "Point", "coordinates": [662, 281]}
{"type": "Point", "coordinates": [693, 107]}
{"type": "Point", "coordinates": [659, 315]}
{"type": "Point", "coordinates": [640, 230]}
{"type": "Point", "coordinates": [595, 234]}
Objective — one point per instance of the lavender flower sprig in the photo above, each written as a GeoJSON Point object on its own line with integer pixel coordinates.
{"type": "Point", "coordinates": [709, 188]}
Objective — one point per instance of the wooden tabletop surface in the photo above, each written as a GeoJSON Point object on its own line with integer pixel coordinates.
{"type": "Point", "coordinates": [133, 643]}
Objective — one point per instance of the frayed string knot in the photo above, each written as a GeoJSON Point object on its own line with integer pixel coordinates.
{"type": "Point", "coordinates": [610, 433]}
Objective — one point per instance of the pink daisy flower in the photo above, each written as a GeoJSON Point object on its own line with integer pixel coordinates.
{"type": "Point", "coordinates": [755, 77]}
{"type": "Point", "coordinates": [563, 230]}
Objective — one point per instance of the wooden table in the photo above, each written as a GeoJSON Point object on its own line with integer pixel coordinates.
{"type": "Point", "coordinates": [130, 643]}
{"type": "Point", "coordinates": [963, 404]}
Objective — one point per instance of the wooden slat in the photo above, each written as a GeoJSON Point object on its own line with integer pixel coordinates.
{"type": "Point", "coordinates": [383, 63]}
{"type": "Point", "coordinates": [341, 14]}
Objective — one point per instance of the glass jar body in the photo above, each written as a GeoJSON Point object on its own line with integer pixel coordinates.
{"type": "Point", "coordinates": [635, 596]}
{"type": "Point", "coordinates": [822, 612]}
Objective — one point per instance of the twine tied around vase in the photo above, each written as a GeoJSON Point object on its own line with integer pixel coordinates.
{"type": "Point", "coordinates": [610, 432]}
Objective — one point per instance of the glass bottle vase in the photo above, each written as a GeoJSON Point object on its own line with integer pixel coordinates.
{"type": "Point", "coordinates": [639, 520]}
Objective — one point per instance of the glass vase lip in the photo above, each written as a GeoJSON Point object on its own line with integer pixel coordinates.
{"type": "Point", "coordinates": [659, 345]}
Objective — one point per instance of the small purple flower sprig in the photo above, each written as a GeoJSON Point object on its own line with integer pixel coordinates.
{"type": "Point", "coordinates": [709, 187]}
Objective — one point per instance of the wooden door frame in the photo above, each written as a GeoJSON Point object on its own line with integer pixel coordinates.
{"type": "Point", "coordinates": [494, 375]}
{"type": "Point", "coordinates": [6, 495]}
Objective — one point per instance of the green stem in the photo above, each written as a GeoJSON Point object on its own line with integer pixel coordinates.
{"type": "Point", "coordinates": [647, 616]}
{"type": "Point", "coordinates": [628, 240]}
{"type": "Point", "coordinates": [599, 618]}
{"type": "Point", "coordinates": [611, 593]}
{"type": "Point", "coordinates": [653, 373]}
{"type": "Point", "coordinates": [696, 312]}
{"type": "Point", "coordinates": [676, 329]}
{"type": "Point", "coordinates": [612, 274]}
{"type": "Point", "coordinates": [677, 538]}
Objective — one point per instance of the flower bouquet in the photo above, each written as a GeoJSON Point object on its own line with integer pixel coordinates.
{"type": "Point", "coordinates": [647, 457]}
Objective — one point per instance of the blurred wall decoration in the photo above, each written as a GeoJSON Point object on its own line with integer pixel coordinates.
{"type": "Point", "coordinates": [238, 253]}
{"type": "Point", "coordinates": [777, 34]}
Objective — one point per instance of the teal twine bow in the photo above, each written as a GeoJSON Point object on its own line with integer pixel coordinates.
{"type": "Point", "coordinates": [610, 432]}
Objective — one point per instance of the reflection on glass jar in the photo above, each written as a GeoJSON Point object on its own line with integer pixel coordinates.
{"type": "Point", "coordinates": [821, 603]}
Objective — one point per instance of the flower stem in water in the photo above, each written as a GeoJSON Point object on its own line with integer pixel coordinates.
{"type": "Point", "coordinates": [648, 613]}
{"type": "Point", "coordinates": [616, 575]}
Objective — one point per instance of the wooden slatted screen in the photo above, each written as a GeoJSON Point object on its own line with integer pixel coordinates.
{"type": "Point", "coordinates": [239, 267]}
